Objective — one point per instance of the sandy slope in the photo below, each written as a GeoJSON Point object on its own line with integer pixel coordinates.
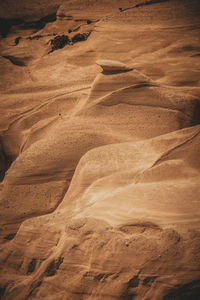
{"type": "Point", "coordinates": [100, 170]}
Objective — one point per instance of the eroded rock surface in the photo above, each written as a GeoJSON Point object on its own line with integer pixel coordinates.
{"type": "Point", "coordinates": [100, 169]}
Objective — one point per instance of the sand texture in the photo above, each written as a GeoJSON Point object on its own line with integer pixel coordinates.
{"type": "Point", "coordinates": [100, 150]}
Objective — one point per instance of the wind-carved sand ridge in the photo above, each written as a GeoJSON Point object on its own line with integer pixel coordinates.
{"type": "Point", "coordinates": [99, 152]}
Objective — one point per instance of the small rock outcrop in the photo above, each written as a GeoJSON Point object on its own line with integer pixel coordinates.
{"type": "Point", "coordinates": [112, 65]}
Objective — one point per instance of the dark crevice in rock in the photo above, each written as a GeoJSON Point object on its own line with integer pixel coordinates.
{"type": "Point", "coordinates": [6, 24]}
{"type": "Point", "coordinates": [54, 266]}
{"type": "Point", "coordinates": [59, 42]}
{"type": "Point", "coordinates": [195, 55]}
{"type": "Point", "coordinates": [10, 236]}
{"type": "Point", "coordinates": [143, 4]}
{"type": "Point", "coordinates": [5, 161]}
{"type": "Point", "coordinates": [102, 276]}
{"type": "Point", "coordinates": [79, 37]}
{"type": "Point", "coordinates": [99, 277]}
{"type": "Point", "coordinates": [35, 37]}
{"type": "Point", "coordinates": [17, 40]}
{"type": "Point", "coordinates": [128, 297]}
{"type": "Point", "coordinates": [34, 286]}
{"type": "Point", "coordinates": [39, 36]}
{"type": "Point", "coordinates": [149, 280]}
{"type": "Point", "coordinates": [107, 72]}
{"type": "Point", "coordinates": [31, 266]}
{"type": "Point", "coordinates": [15, 60]}
{"type": "Point", "coordinates": [196, 113]}
{"type": "Point", "coordinates": [188, 291]}
{"type": "Point", "coordinates": [128, 293]}
{"type": "Point", "coordinates": [2, 292]}
{"type": "Point", "coordinates": [76, 29]}
{"type": "Point", "coordinates": [150, 2]}
{"type": "Point", "coordinates": [38, 25]}
{"type": "Point", "coordinates": [65, 17]}
{"type": "Point", "coordinates": [133, 282]}
{"type": "Point", "coordinates": [49, 18]}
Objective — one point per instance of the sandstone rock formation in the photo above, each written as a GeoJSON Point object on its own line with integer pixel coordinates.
{"type": "Point", "coordinates": [99, 169]}
{"type": "Point", "coordinates": [112, 65]}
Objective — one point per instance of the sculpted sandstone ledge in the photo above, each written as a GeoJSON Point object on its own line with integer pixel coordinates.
{"type": "Point", "coordinates": [99, 169]}
{"type": "Point", "coordinates": [112, 65]}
